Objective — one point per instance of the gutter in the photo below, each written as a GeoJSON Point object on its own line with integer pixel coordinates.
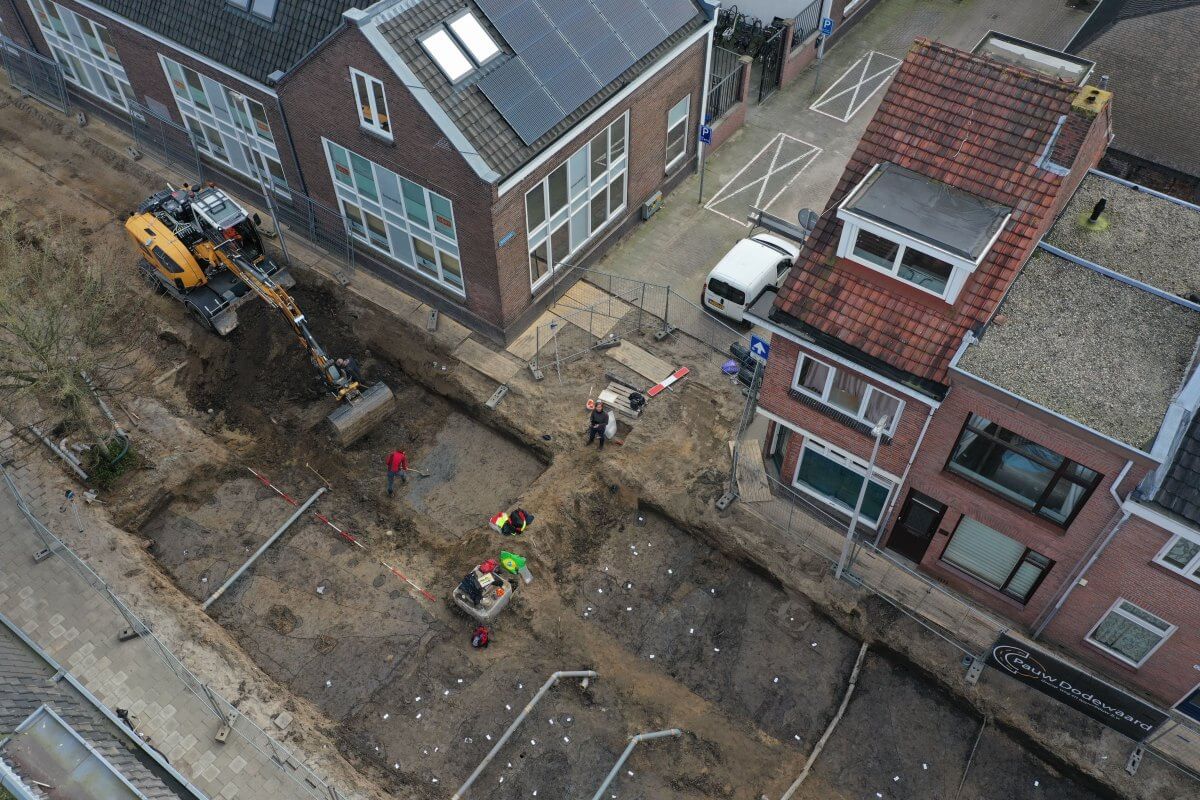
{"type": "Point", "coordinates": [103, 709]}
{"type": "Point", "coordinates": [1078, 579]}
{"type": "Point", "coordinates": [1117, 276]}
{"type": "Point", "coordinates": [1137, 187]}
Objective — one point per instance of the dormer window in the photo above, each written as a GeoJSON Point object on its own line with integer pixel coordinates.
{"type": "Point", "coordinates": [460, 46]}
{"type": "Point", "coordinates": [920, 231]}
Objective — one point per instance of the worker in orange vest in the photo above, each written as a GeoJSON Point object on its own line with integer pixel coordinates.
{"type": "Point", "coordinates": [397, 464]}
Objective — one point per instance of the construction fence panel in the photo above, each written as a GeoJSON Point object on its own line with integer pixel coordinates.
{"type": "Point", "coordinates": [293, 772]}
{"type": "Point", "coordinates": [163, 139]}
{"type": "Point", "coordinates": [34, 74]}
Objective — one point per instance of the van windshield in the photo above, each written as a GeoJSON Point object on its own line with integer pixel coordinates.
{"type": "Point", "coordinates": [722, 289]}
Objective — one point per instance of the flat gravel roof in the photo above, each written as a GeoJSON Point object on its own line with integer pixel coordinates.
{"type": "Point", "coordinates": [1148, 238]}
{"type": "Point", "coordinates": [1101, 352]}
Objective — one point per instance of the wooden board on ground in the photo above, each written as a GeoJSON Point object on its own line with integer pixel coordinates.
{"type": "Point", "coordinates": [605, 310]}
{"type": "Point", "coordinates": [617, 396]}
{"type": "Point", "coordinates": [649, 366]}
{"type": "Point", "coordinates": [753, 485]}
{"type": "Point", "coordinates": [525, 346]}
{"type": "Point", "coordinates": [499, 367]}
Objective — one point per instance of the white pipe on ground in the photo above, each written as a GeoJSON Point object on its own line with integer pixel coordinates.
{"type": "Point", "coordinates": [553, 679]}
{"type": "Point", "coordinates": [633, 742]}
{"type": "Point", "coordinates": [232, 578]}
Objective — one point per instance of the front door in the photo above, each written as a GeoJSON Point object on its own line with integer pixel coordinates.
{"type": "Point", "coordinates": [918, 521]}
{"type": "Point", "coordinates": [779, 446]}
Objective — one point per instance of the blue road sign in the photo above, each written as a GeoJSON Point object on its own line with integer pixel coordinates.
{"type": "Point", "coordinates": [826, 26]}
{"type": "Point", "coordinates": [706, 134]}
{"type": "Point", "coordinates": [759, 347]}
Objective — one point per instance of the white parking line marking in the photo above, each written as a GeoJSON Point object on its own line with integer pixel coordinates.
{"type": "Point", "coordinates": [760, 184]}
{"type": "Point", "coordinates": [850, 84]}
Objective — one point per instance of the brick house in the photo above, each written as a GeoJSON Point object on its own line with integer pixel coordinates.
{"type": "Point", "coordinates": [475, 150]}
{"type": "Point", "coordinates": [983, 153]}
{"type": "Point", "coordinates": [1070, 434]}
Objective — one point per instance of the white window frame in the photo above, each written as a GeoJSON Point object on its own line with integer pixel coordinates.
{"type": "Point", "coordinates": [248, 147]}
{"type": "Point", "coordinates": [578, 202]}
{"type": "Point", "coordinates": [398, 222]}
{"type": "Point", "coordinates": [1115, 608]}
{"type": "Point", "coordinates": [447, 59]}
{"type": "Point", "coordinates": [686, 102]}
{"type": "Point", "coordinates": [851, 462]}
{"type": "Point", "coordinates": [84, 60]}
{"type": "Point", "coordinates": [823, 397]}
{"type": "Point", "coordinates": [960, 269]}
{"type": "Point", "coordinates": [465, 43]}
{"type": "Point", "coordinates": [367, 106]}
{"type": "Point", "coordinates": [1188, 572]}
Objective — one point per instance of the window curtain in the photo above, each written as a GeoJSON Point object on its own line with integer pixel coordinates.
{"type": "Point", "coordinates": [847, 391]}
{"type": "Point", "coordinates": [983, 552]}
{"type": "Point", "coordinates": [1125, 636]}
{"type": "Point", "coordinates": [881, 405]}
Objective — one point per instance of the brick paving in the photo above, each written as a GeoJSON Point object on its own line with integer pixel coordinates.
{"type": "Point", "coordinates": [74, 623]}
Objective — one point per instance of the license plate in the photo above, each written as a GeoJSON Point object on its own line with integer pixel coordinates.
{"type": "Point", "coordinates": [716, 303]}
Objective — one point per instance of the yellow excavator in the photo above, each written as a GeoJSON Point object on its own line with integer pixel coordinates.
{"type": "Point", "coordinates": [202, 248]}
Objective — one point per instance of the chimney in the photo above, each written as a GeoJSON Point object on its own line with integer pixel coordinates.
{"type": "Point", "coordinates": [1088, 109]}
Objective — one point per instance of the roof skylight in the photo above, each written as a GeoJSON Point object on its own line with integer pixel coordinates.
{"type": "Point", "coordinates": [447, 54]}
{"type": "Point", "coordinates": [474, 37]}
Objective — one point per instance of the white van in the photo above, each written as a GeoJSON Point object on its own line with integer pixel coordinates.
{"type": "Point", "coordinates": [746, 271]}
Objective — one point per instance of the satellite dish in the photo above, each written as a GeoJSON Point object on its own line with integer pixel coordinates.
{"type": "Point", "coordinates": [808, 219]}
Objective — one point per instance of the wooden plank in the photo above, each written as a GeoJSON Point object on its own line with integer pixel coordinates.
{"type": "Point", "coordinates": [753, 486]}
{"type": "Point", "coordinates": [499, 367]}
{"type": "Point", "coordinates": [525, 346]}
{"type": "Point", "coordinates": [648, 366]}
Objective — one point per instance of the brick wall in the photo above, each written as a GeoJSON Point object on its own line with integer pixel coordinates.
{"type": "Point", "coordinates": [139, 57]}
{"type": "Point", "coordinates": [10, 23]}
{"type": "Point", "coordinates": [647, 144]}
{"type": "Point", "coordinates": [418, 151]}
{"type": "Point", "coordinates": [776, 397]}
{"type": "Point", "coordinates": [962, 497]}
{"type": "Point", "coordinates": [804, 53]}
{"type": "Point", "coordinates": [735, 117]}
{"type": "Point", "coordinates": [1126, 570]}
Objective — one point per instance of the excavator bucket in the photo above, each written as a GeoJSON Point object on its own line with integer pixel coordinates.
{"type": "Point", "coordinates": [355, 418]}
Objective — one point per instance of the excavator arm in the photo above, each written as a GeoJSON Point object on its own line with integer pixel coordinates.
{"type": "Point", "coordinates": [340, 384]}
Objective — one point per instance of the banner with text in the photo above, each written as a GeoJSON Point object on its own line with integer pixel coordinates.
{"type": "Point", "coordinates": [1102, 702]}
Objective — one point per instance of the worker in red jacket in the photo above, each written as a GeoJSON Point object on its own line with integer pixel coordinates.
{"type": "Point", "coordinates": [397, 464]}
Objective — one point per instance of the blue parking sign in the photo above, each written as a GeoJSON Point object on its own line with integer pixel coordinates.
{"type": "Point", "coordinates": [760, 347]}
{"type": "Point", "coordinates": [826, 26]}
{"type": "Point", "coordinates": [706, 134]}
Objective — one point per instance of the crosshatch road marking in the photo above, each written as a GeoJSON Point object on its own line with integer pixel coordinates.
{"type": "Point", "coordinates": [784, 158]}
{"type": "Point", "coordinates": [856, 86]}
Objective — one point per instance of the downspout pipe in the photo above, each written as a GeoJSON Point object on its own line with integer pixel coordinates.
{"type": "Point", "coordinates": [1124, 516]}
{"type": "Point", "coordinates": [887, 518]}
{"type": "Point", "coordinates": [633, 742]}
{"type": "Point", "coordinates": [549, 684]}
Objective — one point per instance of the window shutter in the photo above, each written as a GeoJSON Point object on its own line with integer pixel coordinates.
{"type": "Point", "coordinates": [985, 553]}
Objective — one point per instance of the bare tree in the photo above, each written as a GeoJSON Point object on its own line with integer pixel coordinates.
{"type": "Point", "coordinates": [65, 311]}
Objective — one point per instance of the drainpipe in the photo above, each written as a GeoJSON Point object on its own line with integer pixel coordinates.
{"type": "Point", "coordinates": [887, 518]}
{"type": "Point", "coordinates": [633, 742]}
{"type": "Point", "coordinates": [287, 131]}
{"type": "Point", "coordinates": [1124, 515]}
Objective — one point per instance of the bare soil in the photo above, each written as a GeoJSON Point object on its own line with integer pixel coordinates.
{"type": "Point", "coordinates": [681, 634]}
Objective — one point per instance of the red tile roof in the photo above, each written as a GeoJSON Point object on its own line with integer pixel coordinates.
{"type": "Point", "coordinates": [967, 121]}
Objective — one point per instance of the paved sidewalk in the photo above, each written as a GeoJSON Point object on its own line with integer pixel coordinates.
{"type": "Point", "coordinates": [682, 242]}
{"type": "Point", "coordinates": [77, 625]}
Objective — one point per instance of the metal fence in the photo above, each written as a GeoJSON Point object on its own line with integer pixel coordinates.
{"type": "Point", "coordinates": [805, 522]}
{"type": "Point", "coordinates": [725, 83]}
{"type": "Point", "coordinates": [584, 320]}
{"type": "Point", "coordinates": [806, 23]}
{"type": "Point", "coordinates": [34, 74]}
{"type": "Point", "coordinates": [163, 139]}
{"type": "Point", "coordinates": [305, 781]}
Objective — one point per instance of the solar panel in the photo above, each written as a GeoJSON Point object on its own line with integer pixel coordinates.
{"type": "Point", "coordinates": [567, 50]}
{"type": "Point", "coordinates": [607, 59]}
{"type": "Point", "coordinates": [572, 87]}
{"type": "Point", "coordinates": [673, 14]}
